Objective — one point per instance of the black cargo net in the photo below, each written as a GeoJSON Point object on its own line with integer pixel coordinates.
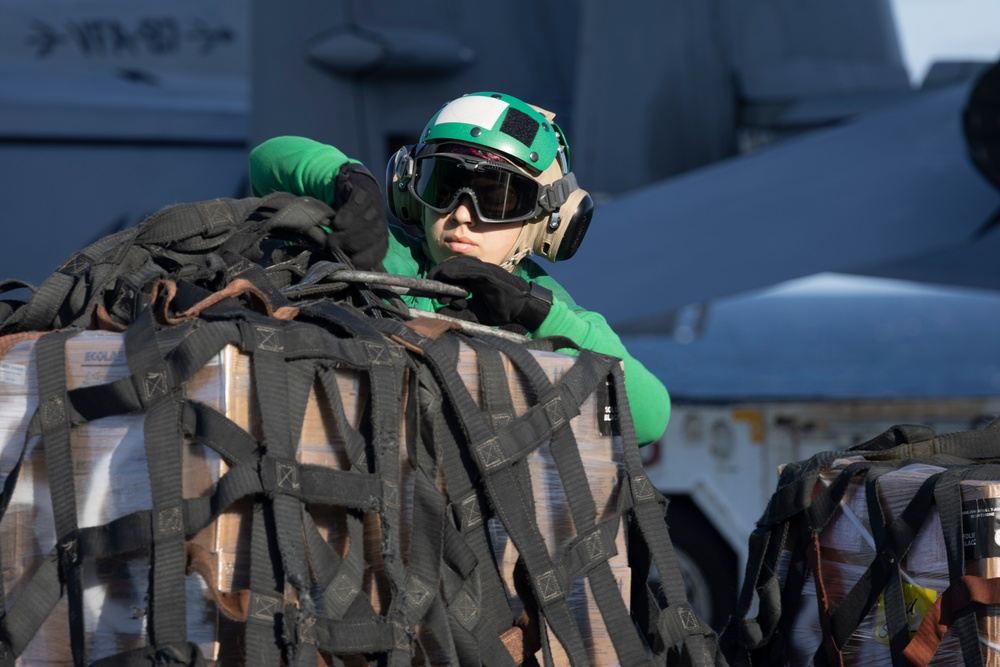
{"type": "Point", "coordinates": [377, 488]}
{"type": "Point", "coordinates": [809, 598]}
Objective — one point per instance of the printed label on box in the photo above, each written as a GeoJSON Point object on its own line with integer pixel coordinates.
{"type": "Point", "coordinates": [981, 528]}
{"type": "Point", "coordinates": [916, 599]}
{"type": "Point", "coordinates": [11, 373]}
{"type": "Point", "coordinates": [91, 357]}
{"type": "Point", "coordinates": [607, 409]}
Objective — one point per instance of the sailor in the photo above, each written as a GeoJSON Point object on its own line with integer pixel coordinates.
{"type": "Point", "coordinates": [487, 186]}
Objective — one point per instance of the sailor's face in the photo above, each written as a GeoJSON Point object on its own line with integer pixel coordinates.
{"type": "Point", "coordinates": [462, 233]}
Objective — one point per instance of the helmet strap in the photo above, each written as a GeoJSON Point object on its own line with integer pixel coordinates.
{"type": "Point", "coordinates": [522, 246]}
{"type": "Point", "coordinates": [555, 195]}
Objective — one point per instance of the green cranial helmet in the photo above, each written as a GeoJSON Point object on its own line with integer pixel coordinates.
{"type": "Point", "coordinates": [498, 123]}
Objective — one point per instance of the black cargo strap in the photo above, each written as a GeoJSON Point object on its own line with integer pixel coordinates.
{"type": "Point", "coordinates": [480, 610]}
{"type": "Point", "coordinates": [899, 536]}
{"type": "Point", "coordinates": [595, 542]}
{"type": "Point", "coordinates": [6, 493]}
{"type": "Point", "coordinates": [895, 607]}
{"type": "Point", "coordinates": [449, 590]}
{"type": "Point", "coordinates": [278, 396]}
{"type": "Point", "coordinates": [494, 464]}
{"type": "Point", "coordinates": [43, 591]}
{"type": "Point", "coordinates": [210, 241]}
{"type": "Point", "coordinates": [173, 518]}
{"type": "Point", "coordinates": [964, 455]}
{"type": "Point", "coordinates": [264, 630]}
{"type": "Point", "coordinates": [678, 621]}
{"type": "Point", "coordinates": [163, 441]}
{"type": "Point", "coordinates": [496, 457]}
{"type": "Point", "coordinates": [56, 298]}
{"type": "Point", "coordinates": [498, 404]}
{"type": "Point", "coordinates": [341, 580]}
{"type": "Point", "coordinates": [55, 426]}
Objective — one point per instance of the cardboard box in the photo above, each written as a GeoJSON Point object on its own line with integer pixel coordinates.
{"type": "Point", "coordinates": [847, 548]}
{"type": "Point", "coordinates": [604, 466]}
{"type": "Point", "coordinates": [112, 481]}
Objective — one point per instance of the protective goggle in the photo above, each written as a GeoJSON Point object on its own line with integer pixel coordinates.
{"type": "Point", "coordinates": [498, 192]}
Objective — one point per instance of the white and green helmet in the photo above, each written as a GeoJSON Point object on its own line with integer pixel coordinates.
{"type": "Point", "coordinates": [524, 135]}
{"type": "Point", "coordinates": [500, 124]}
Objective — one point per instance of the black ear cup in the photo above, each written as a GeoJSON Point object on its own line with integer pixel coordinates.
{"type": "Point", "coordinates": [578, 221]}
{"type": "Point", "coordinates": [398, 173]}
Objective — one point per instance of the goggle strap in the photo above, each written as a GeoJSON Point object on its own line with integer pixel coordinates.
{"type": "Point", "coordinates": [553, 196]}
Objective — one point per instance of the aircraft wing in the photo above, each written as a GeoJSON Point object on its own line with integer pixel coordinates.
{"type": "Point", "coordinates": [891, 192]}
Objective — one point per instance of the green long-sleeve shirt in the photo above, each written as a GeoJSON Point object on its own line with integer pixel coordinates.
{"type": "Point", "coordinates": [308, 168]}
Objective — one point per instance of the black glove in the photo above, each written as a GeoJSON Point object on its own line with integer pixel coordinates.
{"type": "Point", "coordinates": [359, 227]}
{"type": "Point", "coordinates": [498, 297]}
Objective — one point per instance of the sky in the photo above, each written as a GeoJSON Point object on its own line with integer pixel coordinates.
{"type": "Point", "coordinates": [946, 29]}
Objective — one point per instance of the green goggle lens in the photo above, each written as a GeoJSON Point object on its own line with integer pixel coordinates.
{"type": "Point", "coordinates": [499, 193]}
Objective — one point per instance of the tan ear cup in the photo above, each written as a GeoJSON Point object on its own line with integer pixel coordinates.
{"type": "Point", "coordinates": [573, 219]}
{"type": "Point", "coordinates": [401, 203]}
{"type": "Point", "coordinates": [559, 243]}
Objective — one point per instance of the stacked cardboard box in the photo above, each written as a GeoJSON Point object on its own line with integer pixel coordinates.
{"type": "Point", "coordinates": [601, 454]}
{"type": "Point", "coordinates": [112, 481]}
{"type": "Point", "coordinates": [847, 548]}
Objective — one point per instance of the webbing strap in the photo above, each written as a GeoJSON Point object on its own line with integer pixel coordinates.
{"type": "Point", "coordinates": [805, 560]}
{"type": "Point", "coordinates": [424, 571]}
{"type": "Point", "coordinates": [480, 608]}
{"type": "Point", "coordinates": [163, 444]}
{"type": "Point", "coordinates": [497, 402]}
{"type": "Point", "coordinates": [959, 600]}
{"type": "Point", "coordinates": [899, 536]}
{"type": "Point", "coordinates": [350, 636]}
{"type": "Point", "coordinates": [598, 546]}
{"type": "Point", "coordinates": [470, 512]}
{"type": "Point", "coordinates": [354, 442]}
{"type": "Point", "coordinates": [505, 493]}
{"type": "Point", "coordinates": [36, 601]}
{"type": "Point", "coordinates": [475, 639]}
{"type": "Point", "coordinates": [948, 499]}
{"type": "Point", "coordinates": [747, 633]}
{"type": "Point", "coordinates": [339, 579]}
{"type": "Point", "coordinates": [895, 605]}
{"type": "Point", "coordinates": [263, 636]}
{"type": "Point", "coordinates": [185, 225]}
{"type": "Point", "coordinates": [278, 414]}
{"type": "Point", "coordinates": [50, 354]}
{"type": "Point", "coordinates": [781, 603]}
{"type": "Point", "coordinates": [678, 621]}
{"type": "Point", "coordinates": [443, 642]}
{"type": "Point", "coordinates": [40, 311]}
{"type": "Point", "coordinates": [386, 377]}
{"type": "Point", "coordinates": [207, 426]}
{"type": "Point", "coordinates": [6, 493]}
